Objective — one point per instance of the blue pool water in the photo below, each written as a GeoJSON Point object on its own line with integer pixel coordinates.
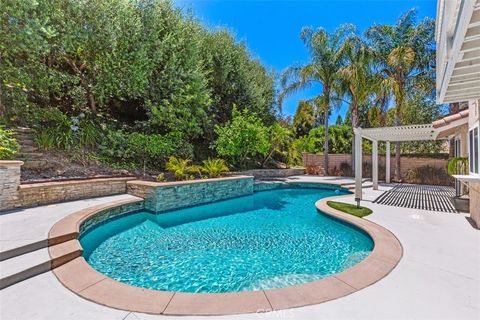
{"type": "Point", "coordinates": [271, 239]}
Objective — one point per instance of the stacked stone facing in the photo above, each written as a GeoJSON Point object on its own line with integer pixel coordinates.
{"type": "Point", "coordinates": [9, 184]}
{"type": "Point", "coordinates": [166, 196]}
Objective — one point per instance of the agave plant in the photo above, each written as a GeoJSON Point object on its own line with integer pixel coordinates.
{"type": "Point", "coordinates": [214, 167]}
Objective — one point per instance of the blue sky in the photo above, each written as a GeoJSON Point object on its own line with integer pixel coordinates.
{"type": "Point", "coordinates": [271, 28]}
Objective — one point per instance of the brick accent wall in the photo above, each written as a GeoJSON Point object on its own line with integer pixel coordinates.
{"type": "Point", "coordinates": [163, 196]}
{"type": "Point", "coordinates": [314, 164]}
{"type": "Point", "coordinates": [9, 182]}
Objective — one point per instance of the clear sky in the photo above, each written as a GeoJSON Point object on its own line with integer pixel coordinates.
{"type": "Point", "coordinates": [271, 28]}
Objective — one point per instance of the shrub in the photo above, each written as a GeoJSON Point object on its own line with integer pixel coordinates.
{"type": "Point", "coordinates": [181, 168]}
{"type": "Point", "coordinates": [139, 149]}
{"type": "Point", "coordinates": [343, 170]}
{"type": "Point", "coordinates": [161, 177]}
{"type": "Point", "coordinates": [280, 138]}
{"type": "Point", "coordinates": [55, 129]}
{"type": "Point", "coordinates": [458, 165]}
{"type": "Point", "coordinates": [9, 146]}
{"type": "Point", "coordinates": [45, 140]}
{"type": "Point", "coordinates": [428, 175]}
{"type": "Point", "coordinates": [214, 167]}
{"type": "Point", "coordinates": [243, 138]}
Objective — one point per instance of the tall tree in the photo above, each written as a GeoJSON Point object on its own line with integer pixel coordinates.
{"type": "Point", "coordinates": [323, 68]}
{"type": "Point", "coordinates": [356, 78]}
{"type": "Point", "coordinates": [405, 54]}
{"type": "Point", "coordinates": [304, 119]}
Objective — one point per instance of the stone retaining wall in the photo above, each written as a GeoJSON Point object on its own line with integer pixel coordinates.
{"type": "Point", "coordinates": [9, 182]}
{"type": "Point", "coordinates": [51, 192]}
{"type": "Point", "coordinates": [16, 195]}
{"type": "Point", "coordinates": [173, 195]}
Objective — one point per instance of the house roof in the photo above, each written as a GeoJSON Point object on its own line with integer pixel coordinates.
{"type": "Point", "coordinates": [458, 50]}
{"type": "Point", "coordinates": [450, 118]}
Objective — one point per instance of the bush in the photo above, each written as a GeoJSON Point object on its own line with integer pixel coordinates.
{"type": "Point", "coordinates": [45, 140]}
{"type": "Point", "coordinates": [161, 177]}
{"type": "Point", "coordinates": [458, 165]}
{"type": "Point", "coordinates": [55, 129]}
{"type": "Point", "coordinates": [428, 175]}
{"type": "Point", "coordinates": [9, 146]}
{"type": "Point", "coordinates": [280, 138]}
{"type": "Point", "coordinates": [214, 167]}
{"type": "Point", "coordinates": [243, 138]}
{"type": "Point", "coordinates": [181, 168]}
{"type": "Point", "coordinates": [139, 150]}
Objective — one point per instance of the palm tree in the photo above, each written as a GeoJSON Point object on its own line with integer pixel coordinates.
{"type": "Point", "coordinates": [325, 62]}
{"type": "Point", "coordinates": [405, 56]}
{"type": "Point", "coordinates": [356, 78]}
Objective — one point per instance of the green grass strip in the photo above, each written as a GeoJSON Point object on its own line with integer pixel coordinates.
{"type": "Point", "coordinates": [350, 208]}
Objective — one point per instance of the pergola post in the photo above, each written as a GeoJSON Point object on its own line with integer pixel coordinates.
{"type": "Point", "coordinates": [387, 161]}
{"type": "Point", "coordinates": [358, 166]}
{"type": "Point", "coordinates": [375, 164]}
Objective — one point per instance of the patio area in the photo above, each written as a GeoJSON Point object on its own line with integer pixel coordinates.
{"type": "Point", "coordinates": [437, 278]}
{"type": "Point", "coordinates": [425, 197]}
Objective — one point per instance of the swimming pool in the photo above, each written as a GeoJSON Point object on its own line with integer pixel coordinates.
{"type": "Point", "coordinates": [271, 239]}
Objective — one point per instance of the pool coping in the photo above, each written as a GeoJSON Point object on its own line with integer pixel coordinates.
{"type": "Point", "coordinates": [79, 277]}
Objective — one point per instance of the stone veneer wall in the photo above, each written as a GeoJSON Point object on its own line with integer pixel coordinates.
{"type": "Point", "coordinates": [15, 195]}
{"type": "Point", "coordinates": [58, 191]}
{"type": "Point", "coordinates": [172, 195]}
{"type": "Point", "coordinates": [9, 182]}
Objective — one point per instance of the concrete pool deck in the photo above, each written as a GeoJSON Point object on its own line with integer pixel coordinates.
{"type": "Point", "coordinates": [438, 276]}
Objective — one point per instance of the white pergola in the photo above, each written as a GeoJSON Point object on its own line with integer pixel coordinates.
{"type": "Point", "coordinates": [421, 132]}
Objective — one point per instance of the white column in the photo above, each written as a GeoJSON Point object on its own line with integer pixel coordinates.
{"type": "Point", "coordinates": [375, 164]}
{"type": "Point", "coordinates": [387, 162]}
{"type": "Point", "coordinates": [358, 166]}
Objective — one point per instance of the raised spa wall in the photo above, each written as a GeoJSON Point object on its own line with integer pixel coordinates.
{"type": "Point", "coordinates": [168, 196]}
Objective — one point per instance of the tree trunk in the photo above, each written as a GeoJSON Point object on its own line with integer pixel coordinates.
{"type": "Point", "coordinates": [267, 157]}
{"type": "Point", "coordinates": [85, 83]}
{"type": "Point", "coordinates": [354, 108]}
{"type": "Point", "coordinates": [325, 147]}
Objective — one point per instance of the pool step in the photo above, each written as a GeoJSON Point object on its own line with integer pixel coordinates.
{"type": "Point", "coordinates": [33, 246]}
{"type": "Point", "coordinates": [30, 264]}
{"type": "Point", "coordinates": [23, 249]}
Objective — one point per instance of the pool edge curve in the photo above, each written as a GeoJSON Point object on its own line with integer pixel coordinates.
{"type": "Point", "coordinates": [80, 278]}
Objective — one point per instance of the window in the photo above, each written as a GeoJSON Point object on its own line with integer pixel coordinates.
{"type": "Point", "coordinates": [474, 155]}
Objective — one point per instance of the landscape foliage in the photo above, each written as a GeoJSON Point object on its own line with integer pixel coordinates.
{"type": "Point", "coordinates": [8, 145]}
{"type": "Point", "coordinates": [150, 80]}
{"type": "Point", "coordinates": [141, 84]}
